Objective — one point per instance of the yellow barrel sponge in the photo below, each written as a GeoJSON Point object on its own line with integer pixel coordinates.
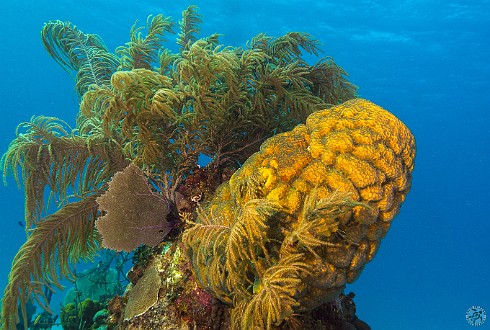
{"type": "Point", "coordinates": [303, 215]}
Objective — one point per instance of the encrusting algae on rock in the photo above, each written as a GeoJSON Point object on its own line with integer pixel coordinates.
{"type": "Point", "coordinates": [302, 216]}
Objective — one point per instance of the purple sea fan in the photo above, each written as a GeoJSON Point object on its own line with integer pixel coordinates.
{"type": "Point", "coordinates": [134, 213]}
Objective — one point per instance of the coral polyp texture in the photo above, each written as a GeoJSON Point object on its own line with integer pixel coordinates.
{"type": "Point", "coordinates": [144, 294]}
{"type": "Point", "coordinates": [302, 216]}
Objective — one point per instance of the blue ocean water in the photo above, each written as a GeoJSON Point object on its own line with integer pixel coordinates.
{"type": "Point", "coordinates": [425, 61]}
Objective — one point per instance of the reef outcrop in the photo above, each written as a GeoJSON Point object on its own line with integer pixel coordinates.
{"type": "Point", "coordinates": [304, 215]}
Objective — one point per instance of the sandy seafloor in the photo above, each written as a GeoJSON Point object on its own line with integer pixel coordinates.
{"type": "Point", "coordinates": [424, 60]}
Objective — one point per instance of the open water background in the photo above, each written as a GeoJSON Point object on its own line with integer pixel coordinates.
{"type": "Point", "coordinates": [427, 61]}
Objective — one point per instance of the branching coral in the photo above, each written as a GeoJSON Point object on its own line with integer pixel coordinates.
{"type": "Point", "coordinates": [302, 216]}
{"type": "Point", "coordinates": [56, 160]}
{"type": "Point", "coordinates": [140, 51]}
{"type": "Point", "coordinates": [83, 55]}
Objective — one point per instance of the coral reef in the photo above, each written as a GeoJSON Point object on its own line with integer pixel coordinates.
{"type": "Point", "coordinates": [280, 238]}
{"type": "Point", "coordinates": [151, 302]}
{"type": "Point", "coordinates": [97, 286]}
{"type": "Point", "coordinates": [206, 99]}
{"type": "Point", "coordinates": [75, 317]}
{"type": "Point", "coordinates": [302, 216]}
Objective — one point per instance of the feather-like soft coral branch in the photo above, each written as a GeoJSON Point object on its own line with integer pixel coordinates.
{"type": "Point", "coordinates": [57, 241]}
{"type": "Point", "coordinates": [83, 56]}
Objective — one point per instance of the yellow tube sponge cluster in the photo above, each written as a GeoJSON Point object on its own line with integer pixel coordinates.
{"type": "Point", "coordinates": [302, 216]}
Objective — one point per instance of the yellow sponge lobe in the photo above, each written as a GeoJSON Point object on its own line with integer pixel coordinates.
{"type": "Point", "coordinates": [304, 214]}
